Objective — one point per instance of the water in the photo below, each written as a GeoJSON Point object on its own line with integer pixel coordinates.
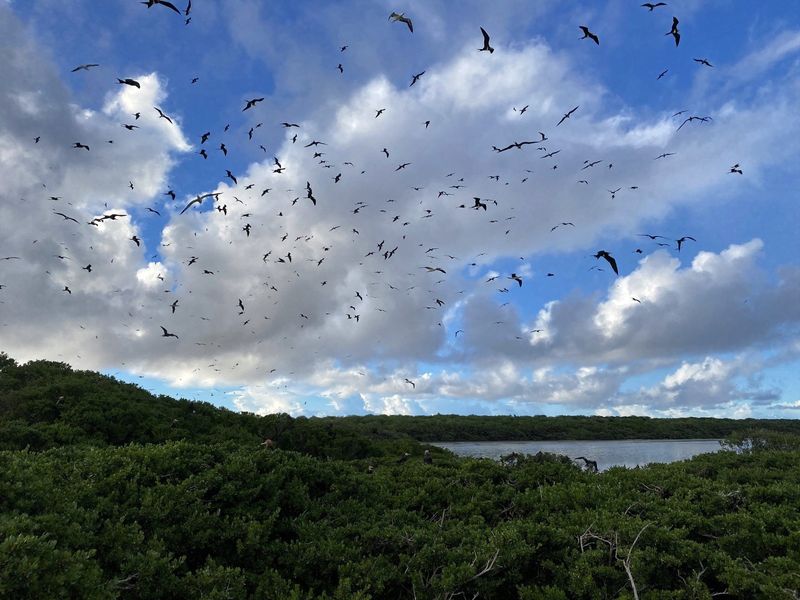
{"type": "Point", "coordinates": [607, 453]}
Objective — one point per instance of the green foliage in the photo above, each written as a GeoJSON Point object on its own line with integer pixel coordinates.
{"type": "Point", "coordinates": [200, 510]}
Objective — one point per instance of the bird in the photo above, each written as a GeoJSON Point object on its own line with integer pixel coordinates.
{"type": "Point", "coordinates": [136, 240]}
{"type": "Point", "coordinates": [129, 81]}
{"type": "Point", "coordinates": [411, 383]}
{"type": "Point", "coordinates": [340, 67]}
{"type": "Point", "coordinates": [736, 169]}
{"type": "Point", "coordinates": [660, 75]}
{"type": "Point", "coordinates": [589, 34]}
{"type": "Point", "coordinates": [609, 258]}
{"type": "Point", "coordinates": [486, 46]}
{"type": "Point", "coordinates": [516, 278]}
{"type": "Point", "coordinates": [590, 465]}
{"type": "Point", "coordinates": [680, 241]}
{"type": "Point", "coordinates": [167, 333]}
{"type": "Point", "coordinates": [415, 78]}
{"type": "Point", "coordinates": [161, 115]}
{"type": "Point", "coordinates": [394, 17]}
{"type": "Point", "coordinates": [567, 115]}
{"type": "Point", "coordinates": [652, 6]}
{"type": "Point", "coordinates": [674, 31]}
{"type": "Point", "coordinates": [427, 458]}
{"type": "Point", "coordinates": [252, 103]}
{"type": "Point", "coordinates": [66, 218]}
{"type": "Point", "coordinates": [165, 3]}
{"type": "Point", "coordinates": [231, 176]}
{"type": "Point", "coordinates": [379, 112]}
{"type": "Point", "coordinates": [694, 118]}
{"type": "Point", "coordinates": [703, 61]}
{"type": "Point", "coordinates": [199, 199]}
{"type": "Point", "coordinates": [224, 149]}
{"type": "Point", "coordinates": [85, 67]}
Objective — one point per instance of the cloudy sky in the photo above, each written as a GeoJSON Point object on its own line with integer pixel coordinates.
{"type": "Point", "coordinates": [331, 279]}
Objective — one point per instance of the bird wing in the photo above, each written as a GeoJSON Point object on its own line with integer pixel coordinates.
{"type": "Point", "coordinates": [612, 262]}
{"type": "Point", "coordinates": [485, 37]}
{"type": "Point", "coordinates": [197, 200]}
{"type": "Point", "coordinates": [169, 5]}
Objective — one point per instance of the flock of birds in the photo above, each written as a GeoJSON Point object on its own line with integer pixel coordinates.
{"type": "Point", "coordinates": [282, 257]}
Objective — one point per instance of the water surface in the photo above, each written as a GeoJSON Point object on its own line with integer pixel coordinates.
{"type": "Point", "coordinates": [607, 453]}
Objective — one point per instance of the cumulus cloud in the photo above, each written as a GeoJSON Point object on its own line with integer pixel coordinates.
{"type": "Point", "coordinates": [347, 296]}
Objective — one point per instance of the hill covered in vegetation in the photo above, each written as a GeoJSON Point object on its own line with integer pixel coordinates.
{"type": "Point", "coordinates": [109, 492]}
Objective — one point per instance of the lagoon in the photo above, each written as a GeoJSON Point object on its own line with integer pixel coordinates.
{"type": "Point", "coordinates": [607, 453]}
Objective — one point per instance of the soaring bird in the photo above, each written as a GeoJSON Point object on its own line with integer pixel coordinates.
{"type": "Point", "coordinates": [703, 61]}
{"type": "Point", "coordinates": [415, 78]}
{"type": "Point", "coordinates": [589, 34]}
{"type": "Point", "coordinates": [167, 333]}
{"type": "Point", "coordinates": [129, 81]}
{"type": "Point", "coordinates": [252, 103]}
{"type": "Point", "coordinates": [165, 3]}
{"type": "Point", "coordinates": [161, 115]}
{"type": "Point", "coordinates": [680, 241]}
{"type": "Point", "coordinates": [394, 17]}
{"type": "Point", "coordinates": [652, 6]}
{"type": "Point", "coordinates": [674, 31]}
{"type": "Point", "coordinates": [567, 115]}
{"type": "Point", "coordinates": [516, 278]}
{"type": "Point", "coordinates": [736, 169]}
{"type": "Point", "coordinates": [486, 45]}
{"type": "Point", "coordinates": [85, 67]}
{"type": "Point", "coordinates": [609, 258]}
{"type": "Point", "coordinates": [79, 145]}
{"type": "Point", "coordinates": [199, 199]}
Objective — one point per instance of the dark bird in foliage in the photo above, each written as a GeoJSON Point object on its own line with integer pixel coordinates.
{"type": "Point", "coordinates": [591, 465]}
{"type": "Point", "coordinates": [609, 258]}
{"type": "Point", "coordinates": [589, 34]}
{"type": "Point", "coordinates": [486, 46]}
{"type": "Point", "coordinates": [426, 457]}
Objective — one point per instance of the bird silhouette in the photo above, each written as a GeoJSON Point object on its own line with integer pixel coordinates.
{"type": "Point", "coordinates": [589, 34]}
{"type": "Point", "coordinates": [674, 31]}
{"type": "Point", "coordinates": [486, 46]}
{"type": "Point", "coordinates": [395, 17]}
{"type": "Point", "coordinates": [609, 259]}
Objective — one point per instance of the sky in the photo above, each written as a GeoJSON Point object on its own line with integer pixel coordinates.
{"type": "Point", "coordinates": [360, 274]}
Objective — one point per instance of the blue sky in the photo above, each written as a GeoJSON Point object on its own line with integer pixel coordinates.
{"type": "Point", "coordinates": [713, 329]}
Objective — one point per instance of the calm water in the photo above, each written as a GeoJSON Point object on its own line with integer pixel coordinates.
{"type": "Point", "coordinates": [607, 453]}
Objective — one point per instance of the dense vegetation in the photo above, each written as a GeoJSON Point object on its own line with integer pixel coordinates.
{"type": "Point", "coordinates": [113, 498]}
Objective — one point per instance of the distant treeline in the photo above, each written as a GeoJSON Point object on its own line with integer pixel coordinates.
{"type": "Point", "coordinates": [453, 428]}
{"type": "Point", "coordinates": [46, 404]}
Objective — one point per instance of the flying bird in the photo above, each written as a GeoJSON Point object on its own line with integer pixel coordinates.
{"type": "Point", "coordinates": [589, 34]}
{"type": "Point", "coordinates": [252, 103]}
{"type": "Point", "coordinates": [415, 78]}
{"type": "Point", "coordinates": [161, 115]}
{"type": "Point", "coordinates": [680, 241]}
{"type": "Point", "coordinates": [394, 17]}
{"type": "Point", "coordinates": [129, 81]}
{"type": "Point", "coordinates": [703, 61]}
{"type": "Point", "coordinates": [660, 75]}
{"type": "Point", "coordinates": [199, 199]}
{"type": "Point", "coordinates": [736, 169]}
{"type": "Point", "coordinates": [567, 115]}
{"type": "Point", "coordinates": [166, 3]}
{"type": "Point", "coordinates": [85, 67]}
{"type": "Point", "coordinates": [486, 46]}
{"type": "Point", "coordinates": [674, 31]}
{"type": "Point", "coordinates": [609, 258]}
{"type": "Point", "coordinates": [652, 6]}
{"type": "Point", "coordinates": [167, 333]}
